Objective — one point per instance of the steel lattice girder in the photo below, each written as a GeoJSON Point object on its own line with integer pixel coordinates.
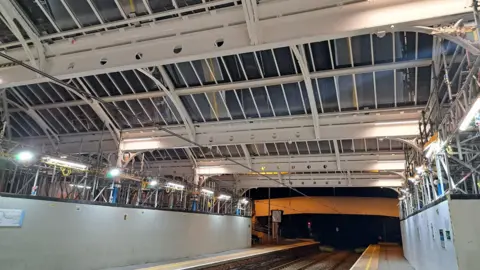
{"type": "Point", "coordinates": [319, 180]}
{"type": "Point", "coordinates": [281, 23]}
{"type": "Point", "coordinates": [314, 180]}
{"type": "Point", "coordinates": [368, 161]}
{"type": "Point", "coordinates": [398, 123]}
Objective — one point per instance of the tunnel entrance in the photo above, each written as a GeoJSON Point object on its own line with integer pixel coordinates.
{"type": "Point", "coordinates": [340, 231]}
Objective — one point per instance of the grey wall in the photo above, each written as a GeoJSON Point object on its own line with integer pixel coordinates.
{"type": "Point", "coordinates": [58, 235]}
{"type": "Point", "coordinates": [421, 239]}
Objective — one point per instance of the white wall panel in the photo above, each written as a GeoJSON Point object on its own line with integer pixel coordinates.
{"type": "Point", "coordinates": [58, 235]}
{"type": "Point", "coordinates": [421, 239]}
{"type": "Point", "coordinates": [466, 225]}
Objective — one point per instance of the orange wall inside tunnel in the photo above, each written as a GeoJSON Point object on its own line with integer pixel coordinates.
{"type": "Point", "coordinates": [330, 205]}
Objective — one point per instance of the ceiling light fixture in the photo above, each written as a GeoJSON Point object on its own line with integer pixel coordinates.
{"type": "Point", "coordinates": [64, 163]}
{"type": "Point", "coordinates": [24, 156]}
{"type": "Point", "coordinates": [114, 172]}
{"type": "Point", "coordinates": [175, 185]}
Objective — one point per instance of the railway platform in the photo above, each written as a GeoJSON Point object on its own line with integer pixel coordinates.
{"type": "Point", "coordinates": [243, 257]}
{"type": "Point", "coordinates": [382, 257]}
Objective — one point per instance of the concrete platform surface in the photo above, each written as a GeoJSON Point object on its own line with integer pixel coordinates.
{"type": "Point", "coordinates": [211, 259]}
{"type": "Point", "coordinates": [382, 257]}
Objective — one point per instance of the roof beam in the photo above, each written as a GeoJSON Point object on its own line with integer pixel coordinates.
{"type": "Point", "coordinates": [281, 23]}
{"type": "Point", "coordinates": [247, 84]}
{"type": "Point", "coordinates": [400, 122]}
{"type": "Point", "coordinates": [306, 133]}
{"type": "Point", "coordinates": [337, 154]}
{"type": "Point", "coordinates": [95, 105]}
{"type": "Point", "coordinates": [248, 158]}
{"type": "Point", "coordinates": [299, 53]}
{"type": "Point", "coordinates": [329, 180]}
{"type": "Point", "coordinates": [250, 11]}
{"type": "Point", "coordinates": [370, 161]}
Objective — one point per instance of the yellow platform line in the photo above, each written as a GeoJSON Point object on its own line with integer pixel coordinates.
{"type": "Point", "coordinates": [370, 260]}
{"type": "Point", "coordinates": [372, 255]}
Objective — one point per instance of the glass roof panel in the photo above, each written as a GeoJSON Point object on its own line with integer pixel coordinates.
{"type": "Point", "coordinates": [278, 101]}
{"type": "Point", "coordinates": [347, 92]}
{"type": "Point", "coordinates": [361, 50]}
{"type": "Point", "coordinates": [385, 93]}
{"type": "Point", "coordinates": [294, 98]}
{"type": "Point", "coordinates": [383, 48]}
{"type": "Point", "coordinates": [365, 90]}
{"type": "Point", "coordinates": [328, 93]}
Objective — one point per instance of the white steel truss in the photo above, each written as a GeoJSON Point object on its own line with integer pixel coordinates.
{"type": "Point", "coordinates": [400, 123]}
{"type": "Point", "coordinates": [308, 164]}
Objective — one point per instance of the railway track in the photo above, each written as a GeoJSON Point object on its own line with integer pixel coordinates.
{"type": "Point", "coordinates": [324, 261]}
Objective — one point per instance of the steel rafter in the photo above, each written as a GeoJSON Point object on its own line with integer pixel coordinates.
{"type": "Point", "coordinates": [299, 53]}
{"type": "Point", "coordinates": [51, 135]}
{"type": "Point", "coordinates": [172, 94]}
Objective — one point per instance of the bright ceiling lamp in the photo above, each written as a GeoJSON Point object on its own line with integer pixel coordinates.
{"type": "Point", "coordinates": [114, 172]}
{"type": "Point", "coordinates": [24, 156]}
{"type": "Point", "coordinates": [207, 191]}
{"type": "Point", "coordinates": [64, 163]}
{"type": "Point", "coordinates": [175, 186]}
{"type": "Point", "coordinates": [470, 115]}
{"type": "Point", "coordinates": [153, 183]}
{"type": "Point", "coordinates": [224, 197]}
{"type": "Point", "coordinates": [420, 169]}
{"type": "Point", "coordinates": [81, 186]}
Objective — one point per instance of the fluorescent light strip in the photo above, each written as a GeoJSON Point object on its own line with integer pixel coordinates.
{"type": "Point", "coordinates": [470, 115]}
{"type": "Point", "coordinates": [80, 186]}
{"type": "Point", "coordinates": [175, 185]}
{"type": "Point", "coordinates": [207, 191]}
{"type": "Point", "coordinates": [64, 163]}
{"type": "Point", "coordinates": [224, 197]}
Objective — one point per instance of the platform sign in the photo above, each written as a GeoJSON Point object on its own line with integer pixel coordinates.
{"type": "Point", "coordinates": [277, 216]}
{"type": "Point", "coordinates": [11, 217]}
